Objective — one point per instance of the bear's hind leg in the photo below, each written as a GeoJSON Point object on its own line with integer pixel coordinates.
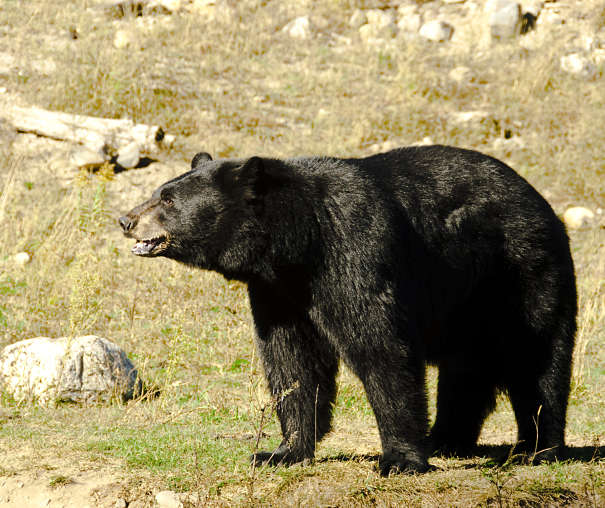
{"type": "Point", "coordinates": [465, 397]}
{"type": "Point", "coordinates": [540, 404]}
{"type": "Point", "coordinates": [396, 391]}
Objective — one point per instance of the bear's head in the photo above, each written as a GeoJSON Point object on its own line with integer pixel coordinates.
{"type": "Point", "coordinates": [207, 217]}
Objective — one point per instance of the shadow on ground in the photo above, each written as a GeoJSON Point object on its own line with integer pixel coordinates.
{"type": "Point", "coordinates": [497, 455]}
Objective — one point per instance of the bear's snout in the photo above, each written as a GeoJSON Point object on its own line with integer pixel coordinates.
{"type": "Point", "coordinates": [127, 223]}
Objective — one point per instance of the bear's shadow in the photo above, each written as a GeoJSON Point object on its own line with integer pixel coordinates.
{"type": "Point", "coordinates": [497, 454]}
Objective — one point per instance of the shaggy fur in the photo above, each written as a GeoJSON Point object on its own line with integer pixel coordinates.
{"type": "Point", "coordinates": [420, 255]}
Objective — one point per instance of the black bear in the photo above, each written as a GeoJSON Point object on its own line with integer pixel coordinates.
{"type": "Point", "coordinates": [421, 255]}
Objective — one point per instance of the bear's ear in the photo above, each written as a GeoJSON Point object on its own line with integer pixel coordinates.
{"type": "Point", "coordinates": [251, 170]}
{"type": "Point", "coordinates": [250, 177]}
{"type": "Point", "coordinates": [200, 157]}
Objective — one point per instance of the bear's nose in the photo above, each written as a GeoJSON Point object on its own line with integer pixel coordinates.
{"type": "Point", "coordinates": [127, 223]}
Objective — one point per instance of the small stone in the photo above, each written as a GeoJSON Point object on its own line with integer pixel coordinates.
{"type": "Point", "coordinates": [410, 23]}
{"type": "Point", "coordinates": [120, 503]}
{"type": "Point", "coordinates": [299, 28]}
{"type": "Point", "coordinates": [407, 9]}
{"type": "Point", "coordinates": [425, 141]}
{"type": "Point", "coordinates": [167, 6]}
{"type": "Point", "coordinates": [505, 19]}
{"type": "Point", "coordinates": [577, 217]}
{"type": "Point", "coordinates": [129, 155]}
{"type": "Point", "coordinates": [578, 65]}
{"type": "Point", "coordinates": [379, 18]}
{"type": "Point", "coordinates": [322, 113]}
{"type": "Point", "coordinates": [168, 499]}
{"type": "Point", "coordinates": [509, 145]}
{"type": "Point", "coordinates": [469, 116]}
{"type": "Point", "coordinates": [22, 258]}
{"type": "Point", "coordinates": [437, 31]}
{"type": "Point", "coordinates": [549, 17]}
{"type": "Point", "coordinates": [380, 26]}
{"type": "Point", "coordinates": [461, 74]}
{"type": "Point", "coordinates": [86, 158]}
{"type": "Point", "coordinates": [122, 39]}
{"type": "Point", "coordinates": [168, 140]}
{"type": "Point", "coordinates": [358, 18]}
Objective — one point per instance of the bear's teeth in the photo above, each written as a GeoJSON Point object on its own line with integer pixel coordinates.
{"type": "Point", "coordinates": [146, 247]}
{"type": "Point", "coordinates": [142, 248]}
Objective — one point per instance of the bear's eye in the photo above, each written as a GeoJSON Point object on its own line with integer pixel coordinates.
{"type": "Point", "coordinates": [166, 201]}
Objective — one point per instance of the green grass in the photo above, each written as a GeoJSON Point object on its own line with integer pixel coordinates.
{"type": "Point", "coordinates": [238, 89]}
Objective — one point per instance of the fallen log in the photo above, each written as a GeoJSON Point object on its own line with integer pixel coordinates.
{"type": "Point", "coordinates": [107, 137]}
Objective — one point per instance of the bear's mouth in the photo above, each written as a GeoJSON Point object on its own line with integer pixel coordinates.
{"type": "Point", "coordinates": [150, 247]}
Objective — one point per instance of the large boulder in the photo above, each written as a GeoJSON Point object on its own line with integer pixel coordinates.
{"type": "Point", "coordinates": [84, 369]}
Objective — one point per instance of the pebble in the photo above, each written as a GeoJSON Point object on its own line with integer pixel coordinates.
{"type": "Point", "coordinates": [577, 217]}
{"type": "Point", "coordinates": [22, 258]}
{"type": "Point", "coordinates": [168, 499]}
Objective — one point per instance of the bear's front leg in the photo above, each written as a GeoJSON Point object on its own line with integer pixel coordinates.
{"type": "Point", "coordinates": [301, 371]}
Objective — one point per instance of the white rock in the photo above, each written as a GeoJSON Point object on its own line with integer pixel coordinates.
{"type": "Point", "coordinates": [385, 146]}
{"type": "Point", "coordinates": [578, 65]}
{"type": "Point", "coordinates": [373, 34]}
{"type": "Point", "coordinates": [122, 39]}
{"type": "Point", "coordinates": [168, 499]}
{"type": "Point", "coordinates": [407, 9]}
{"type": "Point", "coordinates": [425, 141]}
{"type": "Point", "coordinates": [379, 18]}
{"type": "Point", "coordinates": [504, 19]}
{"type": "Point", "coordinates": [469, 116]}
{"type": "Point", "coordinates": [120, 503]}
{"type": "Point", "coordinates": [168, 140]}
{"type": "Point", "coordinates": [461, 74]}
{"type": "Point", "coordinates": [169, 6]}
{"type": "Point", "coordinates": [212, 11]}
{"type": "Point", "coordinates": [577, 216]}
{"type": "Point", "coordinates": [410, 23]}
{"type": "Point", "coordinates": [22, 258]}
{"type": "Point", "coordinates": [78, 369]}
{"type": "Point", "coordinates": [380, 25]}
{"type": "Point", "coordinates": [358, 18]}
{"type": "Point", "coordinates": [129, 155]}
{"type": "Point", "coordinates": [549, 17]}
{"type": "Point", "coordinates": [299, 28]}
{"type": "Point", "coordinates": [84, 157]}
{"type": "Point", "coordinates": [436, 31]}
{"type": "Point", "coordinates": [509, 145]}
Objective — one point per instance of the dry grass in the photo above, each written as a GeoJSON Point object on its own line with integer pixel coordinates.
{"type": "Point", "coordinates": [239, 88]}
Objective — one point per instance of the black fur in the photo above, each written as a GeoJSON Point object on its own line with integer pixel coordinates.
{"type": "Point", "coordinates": [420, 255]}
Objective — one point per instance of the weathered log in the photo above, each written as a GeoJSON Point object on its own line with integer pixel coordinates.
{"type": "Point", "coordinates": [105, 136]}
